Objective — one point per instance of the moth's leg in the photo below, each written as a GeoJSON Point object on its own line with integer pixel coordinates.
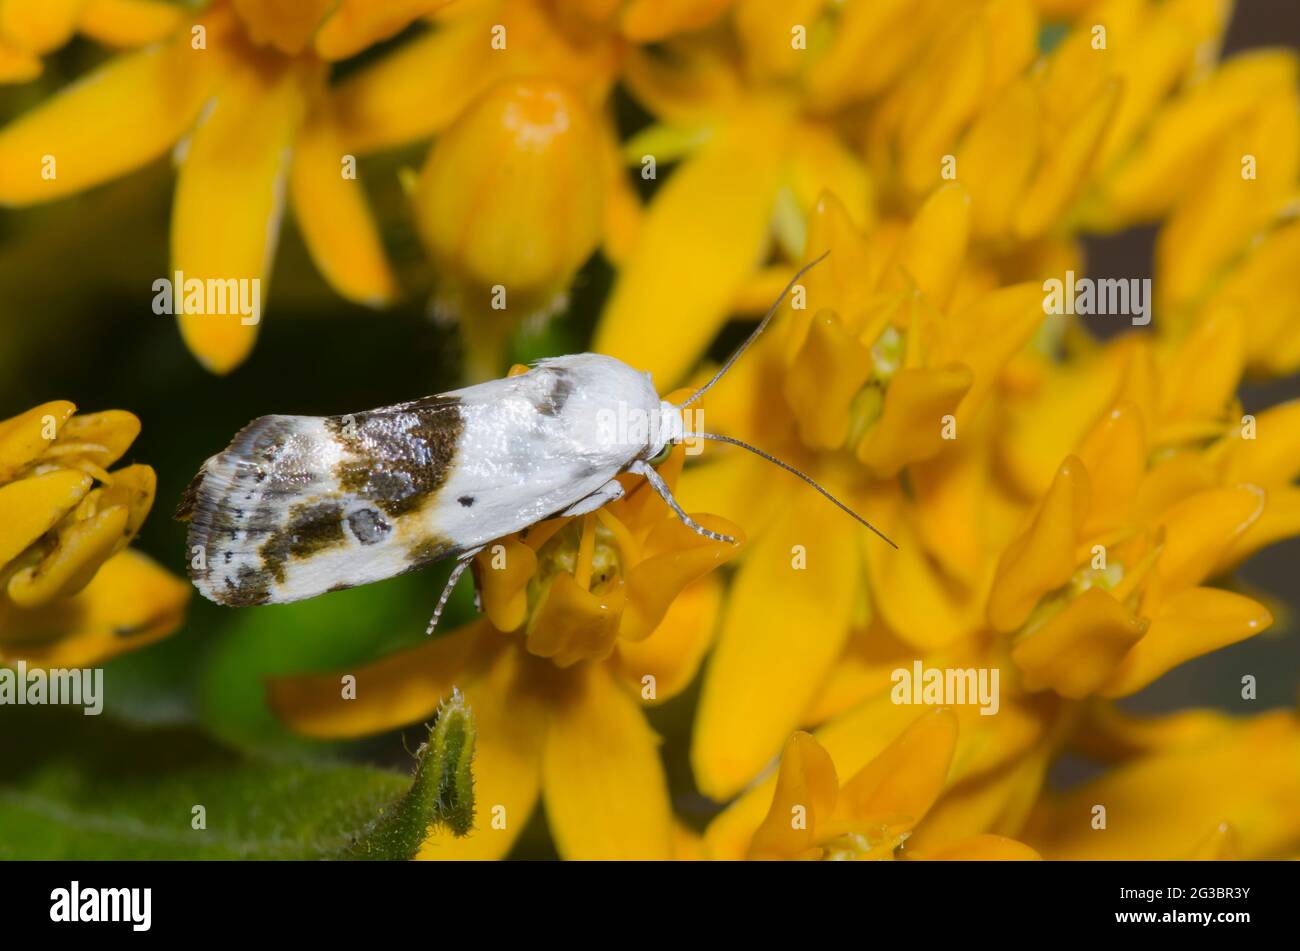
{"type": "Point", "coordinates": [657, 483]}
{"type": "Point", "coordinates": [461, 564]}
{"type": "Point", "coordinates": [611, 491]}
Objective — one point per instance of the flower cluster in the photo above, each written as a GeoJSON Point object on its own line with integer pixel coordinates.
{"type": "Point", "coordinates": [71, 592]}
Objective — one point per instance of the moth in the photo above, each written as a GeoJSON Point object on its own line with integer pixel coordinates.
{"type": "Point", "coordinates": [297, 506]}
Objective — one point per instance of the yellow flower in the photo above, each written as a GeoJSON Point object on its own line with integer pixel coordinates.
{"type": "Point", "coordinates": [71, 594]}
{"type": "Point", "coordinates": [871, 815]}
{"type": "Point", "coordinates": [1188, 801]}
{"type": "Point", "coordinates": [30, 30]}
{"type": "Point", "coordinates": [582, 617]}
{"type": "Point", "coordinates": [510, 204]}
{"type": "Point", "coordinates": [243, 92]}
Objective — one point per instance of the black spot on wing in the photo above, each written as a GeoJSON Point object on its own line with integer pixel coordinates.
{"type": "Point", "coordinates": [466, 500]}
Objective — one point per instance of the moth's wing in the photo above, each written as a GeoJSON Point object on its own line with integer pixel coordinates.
{"type": "Point", "coordinates": [301, 505]}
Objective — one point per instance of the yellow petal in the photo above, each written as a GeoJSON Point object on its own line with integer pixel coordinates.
{"type": "Point", "coordinates": [571, 624]}
{"type": "Point", "coordinates": [17, 65]}
{"type": "Point", "coordinates": [1116, 446]}
{"type": "Point", "coordinates": [672, 654]}
{"type": "Point", "coordinates": [287, 25]}
{"type": "Point", "coordinates": [504, 589]}
{"type": "Point", "coordinates": [1219, 845]}
{"type": "Point", "coordinates": [128, 22]}
{"type": "Point", "coordinates": [606, 795]}
{"type": "Point", "coordinates": [825, 375]}
{"type": "Point", "coordinates": [998, 156]}
{"type": "Point", "coordinates": [131, 602]}
{"type": "Point", "coordinates": [39, 27]}
{"type": "Point", "coordinates": [912, 423]}
{"type": "Point", "coordinates": [26, 436]}
{"type": "Point", "coordinates": [31, 507]}
{"type": "Point", "coordinates": [757, 685]}
{"type": "Point", "coordinates": [1203, 373]}
{"type": "Point", "coordinates": [806, 789]}
{"type": "Point", "coordinates": [102, 438]}
{"type": "Point", "coordinates": [676, 557]}
{"type": "Point", "coordinates": [82, 548]}
{"type": "Point", "coordinates": [403, 687]}
{"type": "Point", "coordinates": [645, 21]}
{"type": "Point", "coordinates": [334, 217]}
{"type": "Point", "coordinates": [510, 721]}
{"type": "Point", "coordinates": [1190, 623]}
{"type": "Point", "coordinates": [1273, 455]}
{"type": "Point", "coordinates": [702, 236]}
{"type": "Point", "coordinates": [1200, 527]}
{"type": "Point", "coordinates": [1043, 558]}
{"type": "Point", "coordinates": [1077, 650]}
{"type": "Point", "coordinates": [355, 25]}
{"type": "Point", "coordinates": [1108, 734]}
{"type": "Point", "coordinates": [120, 117]}
{"type": "Point", "coordinates": [907, 777]}
{"type": "Point", "coordinates": [133, 487]}
{"type": "Point", "coordinates": [229, 199]}
{"type": "Point", "coordinates": [981, 848]}
{"type": "Point", "coordinates": [934, 247]}
{"type": "Point", "coordinates": [1159, 807]}
{"type": "Point", "coordinates": [1063, 171]}
{"type": "Point", "coordinates": [987, 334]}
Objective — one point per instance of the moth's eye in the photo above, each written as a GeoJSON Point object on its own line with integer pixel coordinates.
{"type": "Point", "coordinates": [662, 454]}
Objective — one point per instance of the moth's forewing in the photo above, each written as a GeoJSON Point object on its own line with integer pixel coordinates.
{"type": "Point", "coordinates": [301, 505]}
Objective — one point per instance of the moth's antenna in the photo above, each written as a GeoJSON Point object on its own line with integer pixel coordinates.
{"type": "Point", "coordinates": [762, 325]}
{"type": "Point", "coordinates": [789, 468]}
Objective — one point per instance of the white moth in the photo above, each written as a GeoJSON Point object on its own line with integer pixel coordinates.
{"type": "Point", "coordinates": [300, 505]}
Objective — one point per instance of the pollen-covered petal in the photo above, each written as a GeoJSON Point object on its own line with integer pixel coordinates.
{"type": "Point", "coordinates": [1161, 806]}
{"type": "Point", "coordinates": [23, 438]}
{"type": "Point", "coordinates": [333, 215]}
{"type": "Point", "coordinates": [129, 22]}
{"type": "Point", "coordinates": [671, 656]}
{"type": "Point", "coordinates": [604, 786]}
{"type": "Point", "coordinates": [31, 507]}
{"type": "Point", "coordinates": [229, 200]}
{"type": "Point", "coordinates": [755, 687]}
{"type": "Point", "coordinates": [120, 117]}
{"type": "Point", "coordinates": [511, 728]}
{"type": "Point", "coordinates": [1043, 558]}
{"type": "Point", "coordinates": [805, 794]}
{"type": "Point", "coordinates": [920, 404]}
{"type": "Point", "coordinates": [1077, 650]}
{"type": "Point", "coordinates": [82, 547]}
{"type": "Point", "coordinates": [131, 602]}
{"type": "Point", "coordinates": [702, 236]}
{"type": "Point", "coordinates": [1189, 623]}
{"type": "Point", "coordinates": [403, 687]}
{"type": "Point", "coordinates": [980, 848]}
{"type": "Point", "coordinates": [676, 556]}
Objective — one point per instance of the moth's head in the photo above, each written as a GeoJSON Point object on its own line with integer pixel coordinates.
{"type": "Point", "coordinates": [668, 432]}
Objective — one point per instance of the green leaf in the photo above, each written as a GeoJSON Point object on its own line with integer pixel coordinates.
{"type": "Point", "coordinates": [80, 787]}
